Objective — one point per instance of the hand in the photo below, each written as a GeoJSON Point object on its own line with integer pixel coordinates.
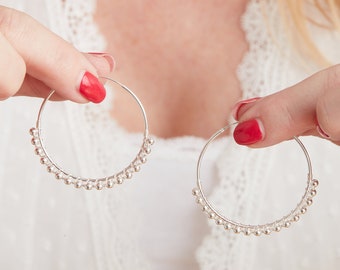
{"type": "Point", "coordinates": [34, 60]}
{"type": "Point", "coordinates": [311, 107]}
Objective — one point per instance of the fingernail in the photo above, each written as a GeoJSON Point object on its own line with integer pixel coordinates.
{"type": "Point", "coordinates": [248, 132]}
{"type": "Point", "coordinates": [109, 58]}
{"type": "Point", "coordinates": [322, 133]}
{"type": "Point", "coordinates": [91, 88]}
{"type": "Point", "coordinates": [239, 104]}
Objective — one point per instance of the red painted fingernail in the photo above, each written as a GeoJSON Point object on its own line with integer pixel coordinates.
{"type": "Point", "coordinates": [322, 133]}
{"type": "Point", "coordinates": [248, 132]}
{"type": "Point", "coordinates": [91, 88]}
{"type": "Point", "coordinates": [239, 104]}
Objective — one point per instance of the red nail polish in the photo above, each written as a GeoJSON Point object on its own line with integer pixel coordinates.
{"type": "Point", "coordinates": [248, 132]}
{"type": "Point", "coordinates": [91, 88]}
{"type": "Point", "coordinates": [239, 104]}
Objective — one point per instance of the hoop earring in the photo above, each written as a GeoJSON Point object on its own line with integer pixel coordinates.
{"type": "Point", "coordinates": [90, 183]}
{"type": "Point", "coordinates": [237, 227]}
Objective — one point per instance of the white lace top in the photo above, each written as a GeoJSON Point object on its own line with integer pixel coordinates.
{"type": "Point", "coordinates": [152, 221]}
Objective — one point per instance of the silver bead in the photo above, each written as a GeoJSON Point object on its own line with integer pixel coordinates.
{"type": "Point", "coordinates": [195, 191]}
{"type": "Point", "coordinates": [51, 169]}
{"type": "Point", "coordinates": [39, 151]}
{"type": "Point", "coordinates": [287, 224]}
{"type": "Point", "coordinates": [313, 192]}
{"type": "Point", "coordinates": [35, 141]}
{"type": "Point", "coordinates": [205, 208]}
{"type": "Point", "coordinates": [128, 175]}
{"type": "Point", "coordinates": [88, 186]}
{"type": "Point", "coordinates": [99, 186]}
{"type": "Point", "coordinates": [257, 233]}
{"type": "Point", "coordinates": [120, 180]}
{"type": "Point", "coordinates": [237, 230]}
{"type": "Point", "coordinates": [211, 215]}
{"type": "Point", "coordinates": [109, 183]}
{"type": "Point", "coordinates": [68, 181]}
{"type": "Point", "coordinates": [315, 183]}
{"type": "Point", "coordinates": [303, 210]}
{"type": "Point", "coordinates": [147, 150]}
{"type": "Point", "coordinates": [296, 218]}
{"type": "Point", "coordinates": [33, 131]}
{"type": "Point", "coordinates": [136, 162]}
{"type": "Point", "coordinates": [219, 221]}
{"type": "Point", "coordinates": [43, 160]}
{"type": "Point", "coordinates": [199, 200]}
{"type": "Point", "coordinates": [247, 232]}
{"type": "Point", "coordinates": [136, 168]}
{"type": "Point", "coordinates": [227, 226]}
{"type": "Point", "coordinates": [150, 141]}
{"type": "Point", "coordinates": [309, 202]}
{"type": "Point", "coordinates": [267, 231]}
{"type": "Point", "coordinates": [143, 159]}
{"type": "Point", "coordinates": [59, 175]}
{"type": "Point", "coordinates": [277, 228]}
{"type": "Point", "coordinates": [78, 184]}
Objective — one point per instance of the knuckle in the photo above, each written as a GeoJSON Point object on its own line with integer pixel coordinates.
{"type": "Point", "coordinates": [8, 19]}
{"type": "Point", "coordinates": [332, 77]}
{"type": "Point", "coordinates": [14, 24]}
{"type": "Point", "coordinates": [13, 79]}
{"type": "Point", "coordinates": [326, 119]}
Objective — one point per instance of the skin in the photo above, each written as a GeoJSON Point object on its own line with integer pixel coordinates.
{"type": "Point", "coordinates": [27, 71]}
{"type": "Point", "coordinates": [298, 110]}
{"type": "Point", "coordinates": [186, 81]}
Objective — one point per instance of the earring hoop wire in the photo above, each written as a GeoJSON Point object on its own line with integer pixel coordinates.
{"type": "Point", "coordinates": [90, 183]}
{"type": "Point", "coordinates": [267, 228]}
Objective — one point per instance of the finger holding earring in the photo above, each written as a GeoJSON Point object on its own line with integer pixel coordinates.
{"type": "Point", "coordinates": [87, 182]}
{"type": "Point", "coordinates": [253, 229]}
{"type": "Point", "coordinates": [311, 107]}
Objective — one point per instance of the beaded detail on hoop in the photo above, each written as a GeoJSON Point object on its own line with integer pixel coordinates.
{"type": "Point", "coordinates": [237, 227]}
{"type": "Point", "coordinates": [258, 230]}
{"type": "Point", "coordinates": [92, 183]}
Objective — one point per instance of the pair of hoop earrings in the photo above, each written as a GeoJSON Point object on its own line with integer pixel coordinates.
{"type": "Point", "coordinates": [141, 158]}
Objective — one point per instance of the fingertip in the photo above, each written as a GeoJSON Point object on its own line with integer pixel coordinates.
{"type": "Point", "coordinates": [13, 69]}
{"type": "Point", "coordinates": [91, 88]}
{"type": "Point", "coordinates": [249, 132]}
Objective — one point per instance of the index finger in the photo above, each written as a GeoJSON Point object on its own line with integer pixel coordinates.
{"type": "Point", "coordinates": [49, 58]}
{"type": "Point", "coordinates": [290, 112]}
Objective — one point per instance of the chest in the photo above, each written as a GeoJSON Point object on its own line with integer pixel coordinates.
{"type": "Point", "coordinates": [180, 56]}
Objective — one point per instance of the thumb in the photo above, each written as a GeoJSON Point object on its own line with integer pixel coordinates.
{"type": "Point", "coordinates": [298, 110]}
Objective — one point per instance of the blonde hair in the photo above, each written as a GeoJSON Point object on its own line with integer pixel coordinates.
{"type": "Point", "coordinates": [296, 16]}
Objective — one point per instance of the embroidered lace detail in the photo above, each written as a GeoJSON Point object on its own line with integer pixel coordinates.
{"type": "Point", "coordinates": [245, 185]}
{"type": "Point", "coordinates": [114, 233]}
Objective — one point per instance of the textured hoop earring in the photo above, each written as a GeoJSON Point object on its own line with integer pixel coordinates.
{"type": "Point", "coordinates": [237, 227]}
{"type": "Point", "coordinates": [90, 183]}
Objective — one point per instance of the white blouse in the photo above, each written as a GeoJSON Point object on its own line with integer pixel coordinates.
{"type": "Point", "coordinates": [152, 220]}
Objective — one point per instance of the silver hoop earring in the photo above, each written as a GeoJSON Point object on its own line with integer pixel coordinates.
{"type": "Point", "coordinates": [237, 227]}
{"type": "Point", "coordinates": [92, 183]}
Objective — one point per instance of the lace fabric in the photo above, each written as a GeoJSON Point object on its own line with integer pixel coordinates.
{"type": "Point", "coordinates": [109, 223]}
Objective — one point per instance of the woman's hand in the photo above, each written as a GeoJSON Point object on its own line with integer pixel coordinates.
{"type": "Point", "coordinates": [311, 107]}
{"type": "Point", "coordinates": [33, 60]}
